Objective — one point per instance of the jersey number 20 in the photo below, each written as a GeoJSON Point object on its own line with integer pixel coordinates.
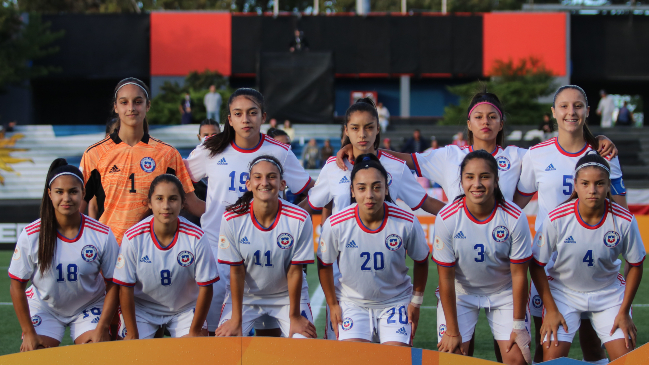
{"type": "Point", "coordinates": [379, 263]}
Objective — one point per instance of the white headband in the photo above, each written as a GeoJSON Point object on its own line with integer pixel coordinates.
{"type": "Point", "coordinates": [65, 173]}
{"type": "Point", "coordinates": [132, 83]}
{"type": "Point", "coordinates": [596, 164]}
{"type": "Point", "coordinates": [267, 160]}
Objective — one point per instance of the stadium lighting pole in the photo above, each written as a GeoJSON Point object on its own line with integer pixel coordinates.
{"type": "Point", "coordinates": [275, 7]}
{"type": "Point", "coordinates": [443, 6]}
{"type": "Point", "coordinates": [403, 6]}
{"type": "Point", "coordinates": [316, 7]}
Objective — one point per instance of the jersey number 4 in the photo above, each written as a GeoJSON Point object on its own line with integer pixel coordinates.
{"type": "Point", "coordinates": [589, 258]}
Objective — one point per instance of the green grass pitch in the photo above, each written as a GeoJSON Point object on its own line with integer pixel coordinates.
{"type": "Point", "coordinates": [425, 337]}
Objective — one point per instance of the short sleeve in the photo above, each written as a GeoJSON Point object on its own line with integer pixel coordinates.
{"type": "Point", "coordinates": [229, 252]}
{"type": "Point", "coordinates": [91, 177]}
{"type": "Point", "coordinates": [545, 243]}
{"type": "Point", "coordinates": [416, 245]}
{"type": "Point", "coordinates": [617, 183]}
{"type": "Point", "coordinates": [125, 272]}
{"type": "Point", "coordinates": [527, 184]}
{"type": "Point", "coordinates": [205, 272]}
{"type": "Point", "coordinates": [634, 251]}
{"type": "Point", "coordinates": [176, 163]}
{"type": "Point", "coordinates": [410, 191]}
{"type": "Point", "coordinates": [443, 250]}
{"type": "Point", "coordinates": [431, 164]}
{"type": "Point", "coordinates": [22, 265]}
{"type": "Point", "coordinates": [521, 249]}
{"type": "Point", "coordinates": [320, 193]}
{"type": "Point", "coordinates": [296, 177]}
{"type": "Point", "coordinates": [328, 246]}
{"type": "Point", "coordinates": [196, 163]}
{"type": "Point", "coordinates": [109, 256]}
{"type": "Point", "coordinates": [303, 253]}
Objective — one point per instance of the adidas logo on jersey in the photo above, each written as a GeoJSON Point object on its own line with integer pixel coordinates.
{"type": "Point", "coordinates": [222, 162]}
{"type": "Point", "coordinates": [550, 168]}
{"type": "Point", "coordinates": [145, 259]}
{"type": "Point", "coordinates": [460, 235]}
{"type": "Point", "coordinates": [351, 244]}
{"type": "Point", "coordinates": [570, 240]}
{"type": "Point", "coordinates": [95, 320]}
{"type": "Point", "coordinates": [402, 331]}
{"type": "Point", "coordinates": [244, 241]}
{"type": "Point", "coordinates": [114, 169]}
{"type": "Point", "coordinates": [344, 180]}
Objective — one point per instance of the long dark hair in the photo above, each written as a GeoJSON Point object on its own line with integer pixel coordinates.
{"type": "Point", "coordinates": [481, 97]}
{"type": "Point", "coordinates": [588, 135]}
{"type": "Point", "coordinates": [47, 236]}
{"type": "Point", "coordinates": [591, 157]}
{"type": "Point", "coordinates": [362, 105]}
{"type": "Point", "coordinates": [493, 166]}
{"type": "Point", "coordinates": [369, 161]}
{"type": "Point", "coordinates": [242, 205]}
{"type": "Point", "coordinates": [169, 178]}
{"type": "Point", "coordinates": [147, 95]}
{"type": "Point", "coordinates": [219, 142]}
{"type": "Point", "coordinates": [209, 122]}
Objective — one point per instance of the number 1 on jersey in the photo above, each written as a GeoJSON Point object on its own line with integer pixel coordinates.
{"type": "Point", "coordinates": [132, 178]}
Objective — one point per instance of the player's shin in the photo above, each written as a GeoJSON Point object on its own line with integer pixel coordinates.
{"type": "Point", "coordinates": [111, 301]}
{"type": "Point", "coordinates": [127, 305]}
{"type": "Point", "coordinates": [200, 313]}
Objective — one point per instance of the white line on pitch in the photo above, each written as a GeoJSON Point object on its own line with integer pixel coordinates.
{"type": "Point", "coordinates": [317, 302]}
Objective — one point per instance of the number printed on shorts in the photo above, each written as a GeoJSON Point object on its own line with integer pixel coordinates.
{"type": "Point", "coordinates": [165, 277]}
{"type": "Point", "coordinates": [72, 272]}
{"type": "Point", "coordinates": [480, 248]}
{"type": "Point", "coordinates": [94, 310]}
{"type": "Point", "coordinates": [589, 258]}
{"type": "Point", "coordinates": [403, 315]}
{"type": "Point", "coordinates": [243, 177]}
{"type": "Point", "coordinates": [379, 262]}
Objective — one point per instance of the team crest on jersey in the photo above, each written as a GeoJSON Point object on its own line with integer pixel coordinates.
{"type": "Point", "coordinates": [348, 323]}
{"type": "Point", "coordinates": [611, 239]}
{"type": "Point", "coordinates": [89, 253]}
{"type": "Point", "coordinates": [389, 179]}
{"type": "Point", "coordinates": [147, 164]}
{"type": "Point", "coordinates": [185, 258]}
{"type": "Point", "coordinates": [120, 261]}
{"type": "Point", "coordinates": [537, 302]}
{"type": "Point", "coordinates": [16, 255]}
{"type": "Point", "coordinates": [500, 234]}
{"type": "Point", "coordinates": [503, 163]}
{"type": "Point", "coordinates": [442, 329]}
{"type": "Point", "coordinates": [285, 241]}
{"type": "Point", "coordinates": [36, 321]}
{"type": "Point", "coordinates": [393, 242]}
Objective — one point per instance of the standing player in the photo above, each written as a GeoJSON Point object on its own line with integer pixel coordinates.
{"type": "Point", "coordinates": [266, 241]}
{"type": "Point", "coordinates": [548, 168]}
{"type": "Point", "coordinates": [208, 128]}
{"type": "Point", "coordinates": [224, 159]}
{"type": "Point", "coordinates": [586, 235]}
{"type": "Point", "coordinates": [370, 239]}
{"type": "Point", "coordinates": [166, 269]}
{"type": "Point", "coordinates": [482, 247]}
{"type": "Point", "coordinates": [67, 256]}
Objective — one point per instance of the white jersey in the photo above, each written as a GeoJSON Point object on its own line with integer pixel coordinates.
{"type": "Point", "coordinates": [334, 184]}
{"type": "Point", "coordinates": [443, 167]}
{"type": "Point", "coordinates": [228, 172]}
{"type": "Point", "coordinates": [587, 256]}
{"type": "Point", "coordinates": [481, 251]}
{"type": "Point", "coordinates": [372, 263]}
{"type": "Point", "coordinates": [266, 253]}
{"type": "Point", "coordinates": [166, 279]}
{"type": "Point", "coordinates": [549, 169]}
{"type": "Point", "coordinates": [75, 278]}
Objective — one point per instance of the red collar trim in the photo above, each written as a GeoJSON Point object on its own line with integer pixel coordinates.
{"type": "Point", "coordinates": [586, 225]}
{"type": "Point", "coordinates": [566, 153]}
{"type": "Point", "coordinates": [362, 225]}
{"type": "Point", "coordinates": [155, 239]}
{"type": "Point", "coordinates": [474, 219]}
{"type": "Point", "coordinates": [249, 150]}
{"type": "Point", "coordinates": [259, 226]}
{"type": "Point", "coordinates": [78, 237]}
{"type": "Point", "coordinates": [494, 153]}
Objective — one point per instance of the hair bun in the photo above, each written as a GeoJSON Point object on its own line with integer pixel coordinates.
{"type": "Point", "coordinates": [366, 101]}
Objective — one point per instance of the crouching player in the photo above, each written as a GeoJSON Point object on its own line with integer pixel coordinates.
{"type": "Point", "coordinates": [166, 269]}
{"type": "Point", "coordinates": [588, 233]}
{"type": "Point", "coordinates": [266, 241]}
{"type": "Point", "coordinates": [370, 240]}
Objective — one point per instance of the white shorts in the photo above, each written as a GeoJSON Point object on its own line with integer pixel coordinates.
{"type": "Point", "coordinates": [499, 308]}
{"type": "Point", "coordinates": [600, 307]}
{"type": "Point", "coordinates": [535, 304]}
{"type": "Point", "coordinates": [329, 329]}
{"type": "Point", "coordinates": [148, 324]}
{"type": "Point", "coordinates": [389, 324]}
{"type": "Point", "coordinates": [51, 325]}
{"type": "Point", "coordinates": [267, 313]}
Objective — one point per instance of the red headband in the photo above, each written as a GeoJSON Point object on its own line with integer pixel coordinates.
{"type": "Point", "coordinates": [485, 102]}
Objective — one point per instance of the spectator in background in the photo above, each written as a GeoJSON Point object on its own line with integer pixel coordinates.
{"type": "Point", "coordinates": [310, 155]}
{"type": "Point", "coordinates": [625, 117]}
{"type": "Point", "coordinates": [325, 152]}
{"type": "Point", "coordinates": [459, 140]}
{"type": "Point", "coordinates": [433, 144]}
{"type": "Point", "coordinates": [384, 116]}
{"type": "Point", "coordinates": [272, 123]}
{"type": "Point", "coordinates": [605, 109]}
{"type": "Point", "coordinates": [208, 128]}
{"type": "Point", "coordinates": [386, 143]}
{"type": "Point", "coordinates": [186, 107]}
{"type": "Point", "coordinates": [546, 125]}
{"type": "Point", "coordinates": [279, 135]}
{"type": "Point", "coordinates": [289, 129]}
{"type": "Point", "coordinates": [213, 103]}
{"type": "Point", "coordinates": [299, 42]}
{"type": "Point", "coordinates": [414, 144]}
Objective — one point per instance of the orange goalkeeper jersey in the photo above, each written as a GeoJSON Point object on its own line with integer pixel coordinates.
{"type": "Point", "coordinates": [120, 176]}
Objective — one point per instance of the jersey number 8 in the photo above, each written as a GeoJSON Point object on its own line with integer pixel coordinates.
{"type": "Point", "coordinates": [165, 277]}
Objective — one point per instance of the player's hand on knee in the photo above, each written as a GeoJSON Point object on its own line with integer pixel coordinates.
{"type": "Point", "coordinates": [413, 318]}
{"type": "Point", "coordinates": [624, 322]}
{"type": "Point", "coordinates": [522, 339]}
{"type": "Point", "coordinates": [229, 328]}
{"type": "Point", "coordinates": [99, 335]}
{"type": "Point", "coordinates": [345, 151]}
{"type": "Point", "coordinates": [336, 317]}
{"type": "Point", "coordinates": [131, 335]}
{"type": "Point", "coordinates": [451, 344]}
{"type": "Point", "coordinates": [302, 326]}
{"type": "Point", "coordinates": [550, 329]}
{"type": "Point", "coordinates": [31, 342]}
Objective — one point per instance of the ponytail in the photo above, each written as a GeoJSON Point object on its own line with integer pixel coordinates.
{"type": "Point", "coordinates": [486, 97]}
{"type": "Point", "coordinates": [588, 135]}
{"type": "Point", "coordinates": [362, 105]}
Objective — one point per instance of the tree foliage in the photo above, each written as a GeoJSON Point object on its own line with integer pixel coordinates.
{"type": "Point", "coordinates": [164, 106]}
{"type": "Point", "coordinates": [518, 86]}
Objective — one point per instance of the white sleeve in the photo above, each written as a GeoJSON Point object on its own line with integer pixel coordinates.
{"type": "Point", "coordinates": [23, 264]}
{"type": "Point", "coordinates": [303, 253]}
{"type": "Point", "coordinates": [527, 184]}
{"type": "Point", "coordinates": [296, 177]}
{"type": "Point", "coordinates": [328, 247]}
{"type": "Point", "coordinates": [410, 190]}
{"type": "Point", "coordinates": [521, 249]}
{"type": "Point", "coordinates": [545, 243]}
{"type": "Point", "coordinates": [205, 272]}
{"type": "Point", "coordinates": [196, 163]}
{"type": "Point", "coordinates": [431, 164]}
{"type": "Point", "coordinates": [521, 152]}
{"type": "Point", "coordinates": [416, 245]}
{"type": "Point", "coordinates": [443, 251]}
{"type": "Point", "coordinates": [633, 251]}
{"type": "Point", "coordinates": [229, 253]}
{"type": "Point", "coordinates": [125, 273]}
{"type": "Point", "coordinates": [320, 193]}
{"type": "Point", "coordinates": [109, 256]}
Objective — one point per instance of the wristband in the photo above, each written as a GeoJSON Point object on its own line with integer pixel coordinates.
{"type": "Point", "coordinates": [446, 333]}
{"type": "Point", "coordinates": [519, 324]}
{"type": "Point", "coordinates": [417, 299]}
